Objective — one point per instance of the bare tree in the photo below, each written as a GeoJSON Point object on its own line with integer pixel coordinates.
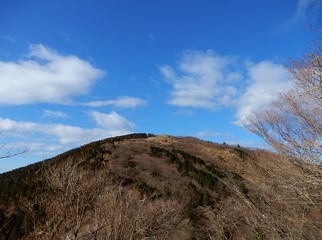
{"type": "Point", "coordinates": [80, 203]}
{"type": "Point", "coordinates": [126, 215]}
{"type": "Point", "coordinates": [68, 195]}
{"type": "Point", "coordinates": [293, 123]}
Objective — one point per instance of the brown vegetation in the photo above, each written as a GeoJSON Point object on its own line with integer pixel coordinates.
{"type": "Point", "coordinates": [82, 204]}
{"type": "Point", "coordinates": [163, 187]}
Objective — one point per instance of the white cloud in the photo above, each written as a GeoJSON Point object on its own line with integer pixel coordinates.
{"type": "Point", "coordinates": [266, 81]}
{"type": "Point", "coordinates": [304, 10]}
{"type": "Point", "coordinates": [56, 114]}
{"type": "Point", "coordinates": [208, 80]}
{"type": "Point", "coordinates": [72, 134]}
{"type": "Point", "coordinates": [66, 134]}
{"type": "Point", "coordinates": [46, 76]}
{"type": "Point", "coordinates": [8, 38]}
{"type": "Point", "coordinates": [208, 134]}
{"type": "Point", "coordinates": [15, 128]}
{"type": "Point", "coordinates": [111, 121]}
{"type": "Point", "coordinates": [204, 80]}
{"type": "Point", "coordinates": [108, 125]}
{"type": "Point", "coordinates": [121, 102]}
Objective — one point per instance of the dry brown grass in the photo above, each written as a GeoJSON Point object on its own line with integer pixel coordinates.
{"type": "Point", "coordinates": [262, 196]}
{"type": "Point", "coordinates": [284, 201]}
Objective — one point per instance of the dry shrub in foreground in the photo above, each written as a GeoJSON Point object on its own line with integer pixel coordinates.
{"type": "Point", "coordinates": [79, 203]}
{"type": "Point", "coordinates": [127, 215]}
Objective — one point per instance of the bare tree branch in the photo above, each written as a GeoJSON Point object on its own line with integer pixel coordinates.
{"type": "Point", "coordinates": [8, 154]}
{"type": "Point", "coordinates": [293, 123]}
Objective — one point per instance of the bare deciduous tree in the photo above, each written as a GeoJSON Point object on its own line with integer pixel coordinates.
{"type": "Point", "coordinates": [293, 123]}
{"type": "Point", "coordinates": [126, 215]}
{"type": "Point", "coordinates": [79, 203]}
{"type": "Point", "coordinates": [69, 194]}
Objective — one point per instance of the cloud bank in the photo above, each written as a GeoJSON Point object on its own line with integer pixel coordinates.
{"type": "Point", "coordinates": [45, 77]}
{"type": "Point", "coordinates": [108, 125]}
{"type": "Point", "coordinates": [208, 80]}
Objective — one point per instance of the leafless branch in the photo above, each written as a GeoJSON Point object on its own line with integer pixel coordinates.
{"type": "Point", "coordinates": [293, 123]}
{"type": "Point", "coordinates": [8, 154]}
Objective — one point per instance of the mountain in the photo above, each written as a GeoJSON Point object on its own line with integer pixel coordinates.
{"type": "Point", "coordinates": [142, 186]}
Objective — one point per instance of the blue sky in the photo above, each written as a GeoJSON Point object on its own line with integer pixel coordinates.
{"type": "Point", "coordinates": [72, 72]}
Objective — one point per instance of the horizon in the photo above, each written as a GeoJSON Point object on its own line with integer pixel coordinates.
{"type": "Point", "coordinates": [75, 72]}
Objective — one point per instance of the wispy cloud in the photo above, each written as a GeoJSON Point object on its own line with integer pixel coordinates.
{"type": "Point", "coordinates": [120, 102]}
{"type": "Point", "coordinates": [203, 79]}
{"type": "Point", "coordinates": [8, 38]}
{"type": "Point", "coordinates": [55, 114]}
{"type": "Point", "coordinates": [184, 113]}
{"type": "Point", "coordinates": [46, 76]}
{"type": "Point", "coordinates": [65, 36]}
{"type": "Point", "coordinates": [207, 133]}
{"type": "Point", "coordinates": [305, 9]}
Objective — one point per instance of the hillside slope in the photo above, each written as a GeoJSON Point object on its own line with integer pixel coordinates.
{"type": "Point", "coordinates": [143, 186]}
